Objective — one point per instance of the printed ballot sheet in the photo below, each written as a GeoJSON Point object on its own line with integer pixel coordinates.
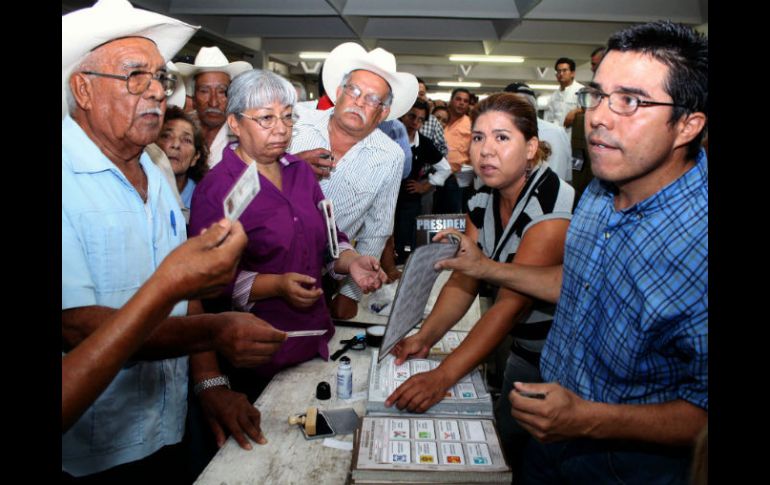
{"type": "Point", "coordinates": [413, 291]}
{"type": "Point", "coordinates": [467, 450]}
{"type": "Point", "coordinates": [469, 396]}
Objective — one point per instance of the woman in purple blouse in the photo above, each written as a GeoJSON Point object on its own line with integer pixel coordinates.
{"type": "Point", "coordinates": [279, 275]}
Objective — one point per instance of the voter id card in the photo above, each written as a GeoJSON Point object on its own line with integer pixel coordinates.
{"type": "Point", "coordinates": [242, 193]}
{"type": "Point", "coordinates": [327, 209]}
{"type": "Point", "coordinates": [305, 333]}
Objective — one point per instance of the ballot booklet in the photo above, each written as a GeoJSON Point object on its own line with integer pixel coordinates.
{"type": "Point", "coordinates": [469, 396]}
{"type": "Point", "coordinates": [450, 341]}
{"type": "Point", "coordinates": [423, 449]}
{"type": "Point", "coordinates": [408, 307]}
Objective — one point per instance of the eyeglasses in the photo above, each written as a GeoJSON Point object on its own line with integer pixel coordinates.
{"type": "Point", "coordinates": [371, 100]}
{"type": "Point", "coordinates": [269, 121]}
{"type": "Point", "coordinates": [621, 103]}
{"type": "Point", "coordinates": [138, 81]}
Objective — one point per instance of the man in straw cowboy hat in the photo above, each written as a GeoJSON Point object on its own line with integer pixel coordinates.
{"type": "Point", "coordinates": [208, 80]}
{"type": "Point", "coordinates": [119, 220]}
{"type": "Point", "coordinates": [367, 165]}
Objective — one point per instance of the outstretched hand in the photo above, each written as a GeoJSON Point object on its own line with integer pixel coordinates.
{"type": "Point", "coordinates": [469, 259]}
{"type": "Point", "coordinates": [204, 264]}
{"type": "Point", "coordinates": [367, 273]}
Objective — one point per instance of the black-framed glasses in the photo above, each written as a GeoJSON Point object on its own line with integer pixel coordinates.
{"type": "Point", "coordinates": [268, 121]}
{"type": "Point", "coordinates": [138, 82]}
{"type": "Point", "coordinates": [371, 99]}
{"type": "Point", "coordinates": [621, 103]}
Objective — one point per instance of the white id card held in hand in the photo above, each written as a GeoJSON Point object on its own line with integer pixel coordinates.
{"type": "Point", "coordinates": [243, 192]}
{"type": "Point", "coordinates": [327, 209]}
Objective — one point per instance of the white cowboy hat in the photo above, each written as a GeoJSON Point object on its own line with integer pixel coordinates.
{"type": "Point", "coordinates": [210, 59]}
{"type": "Point", "coordinates": [87, 28]}
{"type": "Point", "coordinates": [350, 56]}
{"type": "Point", "coordinates": [179, 94]}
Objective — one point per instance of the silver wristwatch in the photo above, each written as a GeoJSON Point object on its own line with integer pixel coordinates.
{"type": "Point", "coordinates": [212, 382]}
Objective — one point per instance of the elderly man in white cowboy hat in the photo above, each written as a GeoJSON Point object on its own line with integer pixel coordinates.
{"type": "Point", "coordinates": [207, 80]}
{"type": "Point", "coordinates": [119, 220]}
{"type": "Point", "coordinates": [363, 185]}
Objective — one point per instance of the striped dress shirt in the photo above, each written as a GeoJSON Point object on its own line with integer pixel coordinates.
{"type": "Point", "coordinates": [363, 187]}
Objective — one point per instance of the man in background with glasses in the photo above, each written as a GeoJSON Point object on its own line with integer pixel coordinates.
{"type": "Point", "coordinates": [625, 365]}
{"type": "Point", "coordinates": [581, 159]}
{"type": "Point", "coordinates": [363, 184]}
{"type": "Point", "coordinates": [119, 221]}
{"type": "Point", "coordinates": [564, 99]}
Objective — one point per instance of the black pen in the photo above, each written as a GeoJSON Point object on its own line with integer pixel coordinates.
{"type": "Point", "coordinates": [532, 395]}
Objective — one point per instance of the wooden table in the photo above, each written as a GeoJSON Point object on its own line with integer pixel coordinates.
{"type": "Point", "coordinates": [288, 458]}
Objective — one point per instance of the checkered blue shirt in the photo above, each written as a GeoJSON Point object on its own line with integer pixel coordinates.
{"type": "Point", "coordinates": [631, 325]}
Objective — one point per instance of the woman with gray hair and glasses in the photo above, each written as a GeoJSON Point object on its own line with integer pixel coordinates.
{"type": "Point", "coordinates": [279, 275]}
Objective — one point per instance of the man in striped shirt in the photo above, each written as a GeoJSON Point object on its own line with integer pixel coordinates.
{"type": "Point", "coordinates": [363, 183]}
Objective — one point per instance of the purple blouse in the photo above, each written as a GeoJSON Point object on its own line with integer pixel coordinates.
{"type": "Point", "coordinates": [286, 233]}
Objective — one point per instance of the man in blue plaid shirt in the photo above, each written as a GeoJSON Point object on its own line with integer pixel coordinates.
{"type": "Point", "coordinates": [625, 364]}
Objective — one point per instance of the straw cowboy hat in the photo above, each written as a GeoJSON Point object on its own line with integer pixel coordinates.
{"type": "Point", "coordinates": [210, 59]}
{"type": "Point", "coordinates": [87, 28]}
{"type": "Point", "coordinates": [351, 56]}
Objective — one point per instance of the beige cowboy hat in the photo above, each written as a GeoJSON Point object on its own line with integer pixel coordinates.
{"type": "Point", "coordinates": [350, 56]}
{"type": "Point", "coordinates": [87, 28]}
{"type": "Point", "coordinates": [210, 59]}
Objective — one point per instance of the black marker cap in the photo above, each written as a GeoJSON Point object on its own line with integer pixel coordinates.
{"type": "Point", "coordinates": [323, 391]}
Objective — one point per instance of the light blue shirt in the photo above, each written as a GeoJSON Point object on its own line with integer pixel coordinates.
{"type": "Point", "coordinates": [397, 132]}
{"type": "Point", "coordinates": [111, 243]}
{"type": "Point", "coordinates": [187, 193]}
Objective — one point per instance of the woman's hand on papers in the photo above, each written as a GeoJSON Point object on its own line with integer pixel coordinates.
{"type": "Point", "coordinates": [421, 391]}
{"type": "Point", "coordinates": [412, 346]}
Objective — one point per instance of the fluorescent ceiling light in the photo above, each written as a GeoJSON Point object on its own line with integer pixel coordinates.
{"type": "Point", "coordinates": [499, 59]}
{"type": "Point", "coordinates": [317, 56]}
{"type": "Point", "coordinates": [544, 86]}
{"type": "Point", "coordinates": [459, 84]}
